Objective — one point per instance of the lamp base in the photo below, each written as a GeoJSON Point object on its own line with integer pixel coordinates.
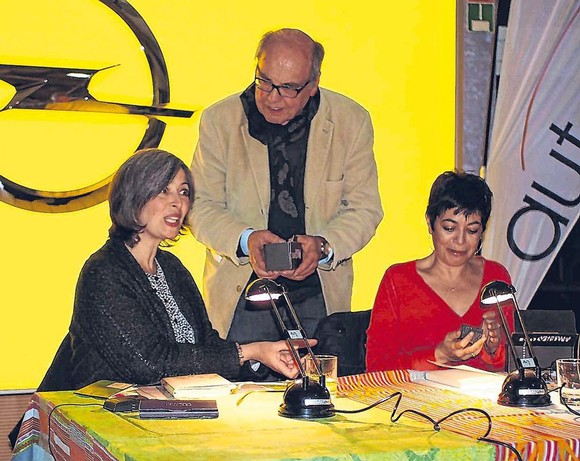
{"type": "Point", "coordinates": [307, 400]}
{"type": "Point", "coordinates": [524, 388]}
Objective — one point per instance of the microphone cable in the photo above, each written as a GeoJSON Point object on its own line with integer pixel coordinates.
{"type": "Point", "coordinates": [437, 423]}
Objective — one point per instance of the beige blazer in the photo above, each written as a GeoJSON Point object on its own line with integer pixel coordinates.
{"type": "Point", "coordinates": [232, 193]}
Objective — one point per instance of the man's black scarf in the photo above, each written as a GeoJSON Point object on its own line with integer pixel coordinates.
{"type": "Point", "coordinates": [287, 146]}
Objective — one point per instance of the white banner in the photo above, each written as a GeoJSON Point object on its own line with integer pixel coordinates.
{"type": "Point", "coordinates": [534, 161]}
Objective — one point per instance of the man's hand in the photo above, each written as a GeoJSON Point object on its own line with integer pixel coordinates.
{"type": "Point", "coordinates": [310, 257]}
{"type": "Point", "coordinates": [256, 242]}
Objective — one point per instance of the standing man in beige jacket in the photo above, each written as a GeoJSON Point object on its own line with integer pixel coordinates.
{"type": "Point", "coordinates": [284, 158]}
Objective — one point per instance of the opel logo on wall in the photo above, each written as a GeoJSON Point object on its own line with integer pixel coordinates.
{"type": "Point", "coordinates": [67, 89]}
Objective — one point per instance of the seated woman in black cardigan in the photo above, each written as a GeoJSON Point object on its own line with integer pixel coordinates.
{"type": "Point", "coordinates": [138, 315]}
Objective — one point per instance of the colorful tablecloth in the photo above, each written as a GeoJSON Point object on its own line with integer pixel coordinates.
{"type": "Point", "coordinates": [537, 434]}
{"type": "Point", "coordinates": [249, 428]}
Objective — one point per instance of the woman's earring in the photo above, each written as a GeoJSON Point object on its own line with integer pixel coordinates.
{"type": "Point", "coordinates": [478, 251]}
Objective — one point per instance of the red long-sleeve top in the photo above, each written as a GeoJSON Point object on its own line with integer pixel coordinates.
{"type": "Point", "coordinates": [409, 320]}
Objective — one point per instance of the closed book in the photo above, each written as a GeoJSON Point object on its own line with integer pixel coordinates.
{"type": "Point", "coordinates": [178, 409]}
{"type": "Point", "coordinates": [197, 386]}
{"type": "Point", "coordinates": [468, 380]}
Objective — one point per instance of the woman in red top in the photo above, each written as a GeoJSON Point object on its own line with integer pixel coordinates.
{"type": "Point", "coordinates": [421, 305]}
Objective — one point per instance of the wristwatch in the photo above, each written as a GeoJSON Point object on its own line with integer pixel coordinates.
{"type": "Point", "coordinates": [325, 248]}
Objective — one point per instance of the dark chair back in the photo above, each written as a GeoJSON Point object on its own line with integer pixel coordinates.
{"type": "Point", "coordinates": [344, 334]}
{"type": "Point", "coordinates": [552, 334]}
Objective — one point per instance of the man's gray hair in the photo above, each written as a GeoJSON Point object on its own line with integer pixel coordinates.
{"type": "Point", "coordinates": [294, 36]}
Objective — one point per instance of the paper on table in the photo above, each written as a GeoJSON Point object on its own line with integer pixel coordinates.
{"type": "Point", "coordinates": [105, 389]}
{"type": "Point", "coordinates": [153, 392]}
{"type": "Point", "coordinates": [248, 388]}
{"type": "Point", "coordinates": [461, 367]}
{"type": "Point", "coordinates": [268, 386]}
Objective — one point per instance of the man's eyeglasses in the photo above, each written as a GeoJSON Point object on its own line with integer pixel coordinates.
{"type": "Point", "coordinates": [286, 91]}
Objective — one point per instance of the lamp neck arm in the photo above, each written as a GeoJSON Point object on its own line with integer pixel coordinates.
{"type": "Point", "coordinates": [524, 329]}
{"type": "Point", "coordinates": [289, 339]}
{"type": "Point", "coordinates": [302, 333]}
{"type": "Point", "coordinates": [507, 333]}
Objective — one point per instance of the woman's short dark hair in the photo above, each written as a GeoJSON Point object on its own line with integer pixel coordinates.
{"type": "Point", "coordinates": [142, 177]}
{"type": "Point", "coordinates": [467, 192]}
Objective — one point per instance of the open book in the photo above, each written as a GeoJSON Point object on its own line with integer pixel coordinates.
{"type": "Point", "coordinates": [197, 386]}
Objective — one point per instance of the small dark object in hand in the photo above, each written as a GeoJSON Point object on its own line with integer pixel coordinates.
{"type": "Point", "coordinates": [478, 332]}
{"type": "Point", "coordinates": [283, 256]}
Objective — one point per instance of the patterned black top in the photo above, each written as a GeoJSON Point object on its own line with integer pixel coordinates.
{"type": "Point", "coordinates": [181, 327]}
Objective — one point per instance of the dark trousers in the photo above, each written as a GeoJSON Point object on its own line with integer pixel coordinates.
{"type": "Point", "coordinates": [261, 325]}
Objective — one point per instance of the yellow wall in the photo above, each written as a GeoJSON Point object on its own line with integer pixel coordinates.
{"type": "Point", "coordinates": [397, 60]}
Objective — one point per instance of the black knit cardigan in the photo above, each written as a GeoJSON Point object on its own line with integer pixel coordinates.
{"type": "Point", "coordinates": [120, 329]}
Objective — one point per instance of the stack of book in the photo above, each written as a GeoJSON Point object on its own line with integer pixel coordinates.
{"type": "Point", "coordinates": [178, 397]}
{"type": "Point", "coordinates": [197, 386]}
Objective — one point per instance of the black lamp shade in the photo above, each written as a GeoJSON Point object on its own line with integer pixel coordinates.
{"type": "Point", "coordinates": [261, 292]}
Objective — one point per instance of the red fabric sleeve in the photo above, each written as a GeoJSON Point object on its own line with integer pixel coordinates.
{"type": "Point", "coordinates": [383, 343]}
{"type": "Point", "coordinates": [409, 320]}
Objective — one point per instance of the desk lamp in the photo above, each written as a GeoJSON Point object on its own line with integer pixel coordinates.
{"type": "Point", "coordinates": [306, 398]}
{"type": "Point", "coordinates": [524, 387]}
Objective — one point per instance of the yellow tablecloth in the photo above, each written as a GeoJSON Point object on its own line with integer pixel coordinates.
{"type": "Point", "coordinates": [250, 429]}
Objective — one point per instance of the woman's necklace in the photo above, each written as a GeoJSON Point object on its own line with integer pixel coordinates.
{"type": "Point", "coordinates": [455, 287]}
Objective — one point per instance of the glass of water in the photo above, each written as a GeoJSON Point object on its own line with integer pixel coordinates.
{"type": "Point", "coordinates": [568, 372]}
